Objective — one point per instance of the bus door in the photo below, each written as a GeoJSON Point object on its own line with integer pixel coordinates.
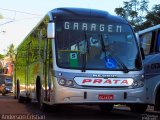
{"type": "Point", "coordinates": [147, 42]}
{"type": "Point", "coordinates": [158, 42]}
{"type": "Point", "coordinates": [47, 69]}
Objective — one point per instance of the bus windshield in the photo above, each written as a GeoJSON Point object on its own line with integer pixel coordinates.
{"type": "Point", "coordinates": [81, 45]}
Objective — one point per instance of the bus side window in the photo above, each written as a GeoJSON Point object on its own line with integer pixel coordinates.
{"type": "Point", "coordinates": [146, 41]}
{"type": "Point", "coordinates": [158, 42]}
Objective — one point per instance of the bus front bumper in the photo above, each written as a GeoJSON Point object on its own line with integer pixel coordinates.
{"type": "Point", "coordinates": [66, 95]}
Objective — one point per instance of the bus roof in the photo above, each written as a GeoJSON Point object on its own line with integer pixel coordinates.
{"type": "Point", "coordinates": [149, 29]}
{"type": "Point", "coordinates": [84, 13]}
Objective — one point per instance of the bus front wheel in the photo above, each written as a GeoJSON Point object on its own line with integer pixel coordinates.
{"type": "Point", "coordinates": [4, 91]}
{"type": "Point", "coordinates": [106, 107]}
{"type": "Point", "coordinates": [157, 101]}
{"type": "Point", "coordinates": [20, 98]}
{"type": "Point", "coordinates": [138, 108]}
{"type": "Point", "coordinates": [42, 106]}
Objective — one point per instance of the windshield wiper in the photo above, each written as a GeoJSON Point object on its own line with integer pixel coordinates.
{"type": "Point", "coordinates": [83, 62]}
{"type": "Point", "coordinates": [108, 49]}
{"type": "Point", "coordinates": [85, 52]}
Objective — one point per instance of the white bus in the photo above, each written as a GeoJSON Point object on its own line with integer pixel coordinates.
{"type": "Point", "coordinates": [80, 56]}
{"type": "Point", "coordinates": [149, 40]}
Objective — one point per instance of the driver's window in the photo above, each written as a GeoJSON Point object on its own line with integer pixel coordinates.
{"type": "Point", "coordinates": [158, 42]}
{"type": "Point", "coordinates": [145, 41]}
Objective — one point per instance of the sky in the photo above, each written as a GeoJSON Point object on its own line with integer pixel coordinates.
{"type": "Point", "coordinates": [21, 16]}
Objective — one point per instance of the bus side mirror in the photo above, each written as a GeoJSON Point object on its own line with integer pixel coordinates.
{"type": "Point", "coordinates": [51, 30]}
{"type": "Point", "coordinates": [137, 37]}
{"type": "Point", "coordinates": [142, 53]}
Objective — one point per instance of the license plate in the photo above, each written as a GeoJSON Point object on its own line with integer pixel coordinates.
{"type": "Point", "coordinates": [106, 97]}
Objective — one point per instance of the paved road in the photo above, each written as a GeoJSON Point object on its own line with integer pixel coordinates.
{"type": "Point", "coordinates": [10, 107]}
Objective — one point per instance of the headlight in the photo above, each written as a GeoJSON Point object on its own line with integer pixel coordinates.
{"type": "Point", "coordinates": [7, 89]}
{"type": "Point", "coordinates": [62, 82]}
{"type": "Point", "coordinates": [69, 83]}
{"type": "Point", "coordinates": [137, 84]}
{"type": "Point", "coordinates": [65, 82]}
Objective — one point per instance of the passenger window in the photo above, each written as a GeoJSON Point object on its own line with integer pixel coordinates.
{"type": "Point", "coordinates": [158, 42]}
{"type": "Point", "coordinates": [145, 41]}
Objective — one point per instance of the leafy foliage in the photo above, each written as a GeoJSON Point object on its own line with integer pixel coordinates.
{"type": "Point", "coordinates": [133, 11]}
{"type": "Point", "coordinates": [154, 15]}
{"type": "Point", "coordinates": [11, 52]}
{"type": "Point", "coordinates": [1, 56]}
{"type": "Point", "coordinates": [138, 15]}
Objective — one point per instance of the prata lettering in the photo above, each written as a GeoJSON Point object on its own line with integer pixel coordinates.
{"type": "Point", "coordinates": [92, 27]}
{"type": "Point", "coordinates": [107, 81]}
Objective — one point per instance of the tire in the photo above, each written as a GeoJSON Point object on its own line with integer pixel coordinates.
{"type": "Point", "coordinates": [138, 108]}
{"type": "Point", "coordinates": [27, 100]}
{"type": "Point", "coordinates": [38, 89]}
{"type": "Point", "coordinates": [3, 92]}
{"type": "Point", "coordinates": [157, 101]}
{"type": "Point", "coordinates": [20, 98]}
{"type": "Point", "coordinates": [106, 107]}
{"type": "Point", "coordinates": [18, 89]}
{"type": "Point", "coordinates": [43, 107]}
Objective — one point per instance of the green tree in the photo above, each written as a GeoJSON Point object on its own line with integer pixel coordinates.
{"type": "Point", "coordinates": [154, 15]}
{"type": "Point", "coordinates": [120, 11]}
{"type": "Point", "coordinates": [11, 52]}
{"type": "Point", "coordinates": [1, 56]}
{"type": "Point", "coordinates": [1, 64]}
{"type": "Point", "coordinates": [134, 11]}
{"type": "Point", "coordinates": [152, 18]}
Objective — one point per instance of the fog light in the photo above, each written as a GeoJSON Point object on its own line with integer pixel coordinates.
{"type": "Point", "coordinates": [135, 84]}
{"type": "Point", "coordinates": [138, 84]}
{"type": "Point", "coordinates": [66, 99]}
{"type": "Point", "coordinates": [141, 83]}
{"type": "Point", "coordinates": [62, 82]}
{"type": "Point", "coordinates": [69, 83]}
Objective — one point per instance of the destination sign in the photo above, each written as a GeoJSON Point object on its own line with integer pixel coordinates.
{"type": "Point", "coordinates": [97, 27]}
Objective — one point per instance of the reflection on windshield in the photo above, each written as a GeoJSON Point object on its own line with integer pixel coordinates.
{"type": "Point", "coordinates": [112, 60]}
{"type": "Point", "coordinates": [72, 45]}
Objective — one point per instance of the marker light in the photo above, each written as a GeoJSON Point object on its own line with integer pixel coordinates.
{"type": "Point", "coordinates": [62, 81]}
{"type": "Point", "coordinates": [138, 84]}
{"type": "Point", "coordinates": [69, 83]}
{"type": "Point", "coordinates": [65, 82]}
